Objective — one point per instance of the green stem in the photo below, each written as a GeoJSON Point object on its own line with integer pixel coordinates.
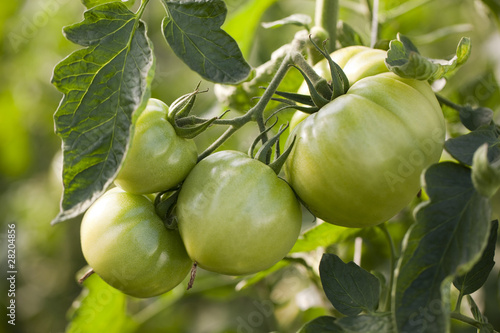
{"type": "Point", "coordinates": [255, 113]}
{"type": "Point", "coordinates": [374, 28]}
{"type": "Point", "coordinates": [465, 319]}
{"type": "Point", "coordinates": [326, 16]}
{"type": "Point", "coordinates": [140, 11]}
{"type": "Point", "coordinates": [448, 103]}
{"type": "Point", "coordinates": [459, 302]}
{"type": "Point", "coordinates": [394, 258]}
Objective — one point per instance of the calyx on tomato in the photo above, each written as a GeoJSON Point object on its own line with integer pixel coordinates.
{"type": "Point", "coordinates": [358, 160]}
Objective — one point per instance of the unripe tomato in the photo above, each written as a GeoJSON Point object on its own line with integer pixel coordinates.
{"type": "Point", "coordinates": [128, 246]}
{"type": "Point", "coordinates": [157, 159]}
{"type": "Point", "coordinates": [235, 215]}
{"type": "Point", "coordinates": [358, 160]}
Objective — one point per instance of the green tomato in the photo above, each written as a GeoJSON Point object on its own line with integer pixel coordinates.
{"type": "Point", "coordinates": [129, 247]}
{"type": "Point", "coordinates": [357, 161]}
{"type": "Point", "coordinates": [157, 159]}
{"type": "Point", "coordinates": [235, 215]}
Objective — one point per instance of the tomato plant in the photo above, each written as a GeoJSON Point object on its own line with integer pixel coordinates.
{"type": "Point", "coordinates": [346, 165]}
{"type": "Point", "coordinates": [372, 119]}
{"type": "Point", "coordinates": [128, 246]}
{"type": "Point", "coordinates": [231, 224]}
{"type": "Point", "coordinates": [157, 158]}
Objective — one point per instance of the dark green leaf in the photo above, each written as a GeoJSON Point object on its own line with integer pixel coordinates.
{"type": "Point", "coordinates": [371, 323]}
{"type": "Point", "coordinates": [404, 59]}
{"type": "Point", "coordinates": [300, 20]}
{"type": "Point", "coordinates": [100, 308]}
{"type": "Point", "coordinates": [349, 287]}
{"type": "Point", "coordinates": [323, 324]}
{"type": "Point", "coordinates": [475, 118]}
{"type": "Point", "coordinates": [463, 147]}
{"type": "Point", "coordinates": [476, 277]}
{"type": "Point", "coordinates": [450, 234]}
{"type": "Point", "coordinates": [485, 175]}
{"type": "Point", "coordinates": [192, 29]}
{"type": "Point", "coordinates": [104, 86]}
{"type": "Point", "coordinates": [93, 3]}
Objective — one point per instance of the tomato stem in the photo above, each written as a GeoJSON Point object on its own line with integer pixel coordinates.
{"type": "Point", "coordinates": [193, 275]}
{"type": "Point", "coordinates": [374, 27]}
{"type": "Point", "coordinates": [326, 16]}
{"type": "Point", "coordinates": [256, 112]}
{"type": "Point", "coordinates": [86, 276]}
{"type": "Point", "coordinates": [394, 258]}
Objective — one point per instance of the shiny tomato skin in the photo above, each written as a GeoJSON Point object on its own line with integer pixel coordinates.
{"type": "Point", "coordinates": [128, 246]}
{"type": "Point", "coordinates": [157, 159]}
{"type": "Point", "coordinates": [235, 215]}
{"type": "Point", "coordinates": [357, 161]}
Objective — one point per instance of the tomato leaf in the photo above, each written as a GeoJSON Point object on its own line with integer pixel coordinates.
{"type": "Point", "coordinates": [404, 59]}
{"type": "Point", "coordinates": [476, 277]}
{"type": "Point", "coordinates": [450, 234]}
{"type": "Point", "coordinates": [192, 29]}
{"type": "Point", "coordinates": [104, 86]}
{"type": "Point", "coordinates": [462, 148]}
{"type": "Point", "coordinates": [349, 288]}
{"type": "Point", "coordinates": [485, 175]}
{"type": "Point", "coordinates": [300, 20]}
{"type": "Point", "coordinates": [100, 308]}
{"type": "Point", "coordinates": [323, 324]}
{"type": "Point", "coordinates": [474, 118]}
{"type": "Point", "coordinates": [370, 323]}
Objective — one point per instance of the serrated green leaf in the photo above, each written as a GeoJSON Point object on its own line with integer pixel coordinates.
{"type": "Point", "coordinates": [300, 20]}
{"type": "Point", "coordinates": [193, 31]}
{"type": "Point", "coordinates": [349, 288]}
{"type": "Point", "coordinates": [105, 85]}
{"type": "Point", "coordinates": [485, 175]}
{"type": "Point", "coordinates": [92, 3]}
{"type": "Point", "coordinates": [370, 323]}
{"type": "Point", "coordinates": [323, 324]}
{"type": "Point", "coordinates": [450, 234]}
{"type": "Point", "coordinates": [463, 147]}
{"type": "Point", "coordinates": [243, 23]}
{"type": "Point", "coordinates": [477, 276]}
{"type": "Point", "coordinates": [100, 308]}
{"type": "Point", "coordinates": [404, 59]}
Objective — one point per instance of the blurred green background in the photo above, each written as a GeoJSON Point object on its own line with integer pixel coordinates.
{"type": "Point", "coordinates": [49, 257]}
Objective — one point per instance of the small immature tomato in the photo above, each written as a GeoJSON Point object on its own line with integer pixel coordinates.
{"type": "Point", "coordinates": [157, 159]}
{"type": "Point", "coordinates": [128, 246]}
{"type": "Point", "coordinates": [235, 215]}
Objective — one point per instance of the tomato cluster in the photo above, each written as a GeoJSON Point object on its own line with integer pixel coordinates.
{"type": "Point", "coordinates": [356, 163]}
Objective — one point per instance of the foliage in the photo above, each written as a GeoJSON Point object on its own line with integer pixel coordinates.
{"type": "Point", "coordinates": [437, 251]}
